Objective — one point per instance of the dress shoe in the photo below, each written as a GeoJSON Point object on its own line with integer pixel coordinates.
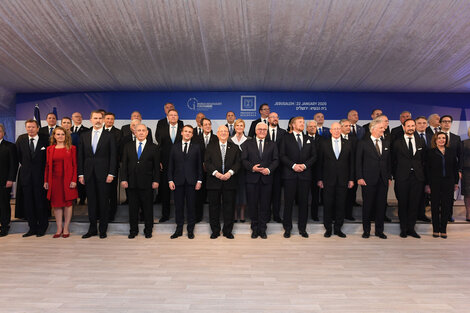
{"type": "Point", "coordinates": [214, 236]}
{"type": "Point", "coordinates": [340, 234]}
{"type": "Point", "coordinates": [64, 235]}
{"type": "Point", "coordinates": [254, 235]}
{"type": "Point", "coordinates": [381, 235]}
{"type": "Point", "coordinates": [176, 235]}
{"type": "Point", "coordinates": [88, 235]}
{"type": "Point", "coordinates": [235, 221]}
{"type": "Point", "coordinates": [327, 234]}
{"type": "Point", "coordinates": [316, 219]}
{"type": "Point", "coordinates": [279, 220]}
{"type": "Point", "coordinates": [424, 219]}
{"type": "Point", "coordinates": [229, 236]}
{"type": "Point", "coordinates": [40, 234]}
{"type": "Point", "coordinates": [365, 234]}
{"type": "Point", "coordinates": [242, 221]}
{"type": "Point", "coordinates": [435, 235]}
{"type": "Point", "coordinates": [467, 219]}
{"type": "Point", "coordinates": [103, 235]}
{"type": "Point", "coordinates": [403, 234]}
{"type": "Point", "coordinates": [57, 235]}
{"type": "Point", "coordinates": [3, 233]}
{"type": "Point", "coordinates": [287, 234]}
{"type": "Point", "coordinates": [131, 236]}
{"type": "Point", "coordinates": [350, 218]}
{"type": "Point", "coordinates": [263, 235]}
{"type": "Point", "coordinates": [451, 219]}
{"type": "Point", "coordinates": [413, 234]}
{"type": "Point", "coordinates": [444, 236]}
{"type": "Point", "coordinates": [148, 235]}
{"type": "Point", "coordinates": [387, 219]}
{"type": "Point", "coordinates": [163, 219]}
{"type": "Point", "coordinates": [190, 235]}
{"type": "Point", "coordinates": [303, 234]}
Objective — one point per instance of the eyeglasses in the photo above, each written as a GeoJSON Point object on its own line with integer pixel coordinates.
{"type": "Point", "coordinates": [446, 121]}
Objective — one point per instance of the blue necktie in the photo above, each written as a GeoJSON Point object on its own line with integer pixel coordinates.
{"type": "Point", "coordinates": [223, 158]}
{"type": "Point", "coordinates": [173, 134]}
{"type": "Point", "coordinates": [139, 150]}
{"type": "Point", "coordinates": [320, 131]}
{"type": "Point", "coordinates": [51, 130]}
{"type": "Point", "coordinates": [336, 149]}
{"type": "Point", "coordinates": [95, 141]}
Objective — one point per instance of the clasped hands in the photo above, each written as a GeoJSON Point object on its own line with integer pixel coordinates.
{"type": "Point", "coordinates": [259, 169]}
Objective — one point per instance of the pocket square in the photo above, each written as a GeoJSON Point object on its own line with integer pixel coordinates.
{"type": "Point", "coordinates": [308, 141]}
{"type": "Point", "coordinates": [420, 148]}
{"type": "Point", "coordinates": [385, 148]}
{"type": "Point", "coordinates": [43, 148]}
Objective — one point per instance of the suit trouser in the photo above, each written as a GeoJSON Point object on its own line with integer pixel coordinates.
{"type": "Point", "coordinates": [98, 202]}
{"type": "Point", "coordinates": [258, 198]}
{"type": "Point", "coordinates": [81, 191]}
{"type": "Point", "coordinates": [296, 189]}
{"type": "Point", "coordinates": [113, 198]}
{"type": "Point", "coordinates": [315, 192]}
{"type": "Point", "coordinates": [276, 194]}
{"type": "Point", "coordinates": [201, 196]}
{"type": "Point", "coordinates": [34, 207]}
{"type": "Point", "coordinates": [5, 208]}
{"type": "Point", "coordinates": [140, 198]}
{"type": "Point", "coordinates": [409, 194]}
{"type": "Point", "coordinates": [334, 199]}
{"type": "Point", "coordinates": [227, 196]}
{"type": "Point", "coordinates": [350, 201]}
{"type": "Point", "coordinates": [375, 201]}
{"type": "Point", "coordinates": [185, 193]}
{"type": "Point", "coordinates": [442, 197]}
{"type": "Point", "coordinates": [165, 192]}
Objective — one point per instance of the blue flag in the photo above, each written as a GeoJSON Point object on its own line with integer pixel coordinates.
{"type": "Point", "coordinates": [37, 114]}
{"type": "Point", "coordinates": [54, 111]}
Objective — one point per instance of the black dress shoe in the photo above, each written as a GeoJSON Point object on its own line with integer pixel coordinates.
{"type": "Point", "coordinates": [3, 233]}
{"type": "Point", "coordinates": [191, 235]}
{"type": "Point", "coordinates": [278, 220]}
{"type": "Point", "coordinates": [340, 234]}
{"type": "Point", "coordinates": [242, 221]}
{"type": "Point", "coordinates": [88, 235]}
{"type": "Point", "coordinates": [413, 234]}
{"type": "Point", "coordinates": [403, 234]}
{"type": "Point", "coordinates": [387, 219]}
{"type": "Point", "coordinates": [131, 236]}
{"type": "Point", "coordinates": [467, 219]}
{"type": "Point", "coordinates": [229, 236]}
{"type": "Point", "coordinates": [29, 234]}
{"type": "Point", "coordinates": [103, 235]}
{"type": "Point", "coordinates": [350, 218]}
{"type": "Point", "coordinates": [327, 234]}
{"type": "Point", "coordinates": [254, 235]}
{"type": "Point", "coordinates": [148, 235]}
{"type": "Point", "coordinates": [214, 236]}
{"type": "Point", "coordinates": [451, 219]}
{"type": "Point", "coordinates": [303, 234]}
{"type": "Point", "coordinates": [40, 234]}
{"type": "Point", "coordinates": [365, 234]}
{"type": "Point", "coordinates": [287, 234]}
{"type": "Point", "coordinates": [176, 235]}
{"type": "Point", "coordinates": [263, 235]}
{"type": "Point", "coordinates": [316, 219]}
{"type": "Point", "coordinates": [424, 219]}
{"type": "Point", "coordinates": [163, 219]}
{"type": "Point", "coordinates": [381, 235]}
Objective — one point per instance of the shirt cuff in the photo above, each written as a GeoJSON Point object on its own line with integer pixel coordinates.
{"type": "Point", "coordinates": [170, 181]}
{"type": "Point", "coordinates": [231, 172]}
{"type": "Point", "coordinates": [80, 176]}
{"type": "Point", "coordinates": [269, 172]}
{"type": "Point", "coordinates": [199, 181]}
{"type": "Point", "coordinates": [214, 173]}
{"type": "Point", "coordinates": [293, 166]}
{"type": "Point", "coordinates": [111, 175]}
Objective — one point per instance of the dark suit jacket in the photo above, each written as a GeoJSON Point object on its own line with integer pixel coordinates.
{"type": "Point", "coordinates": [233, 130]}
{"type": "Point", "coordinates": [434, 165]}
{"type": "Point", "coordinates": [427, 140]}
{"type": "Point", "coordinates": [332, 171]}
{"type": "Point", "coordinates": [200, 140]}
{"type": "Point", "coordinates": [360, 132]}
{"type": "Point", "coordinates": [45, 130]}
{"type": "Point", "coordinates": [8, 162]}
{"type": "Point", "coordinates": [371, 166]}
{"type": "Point", "coordinates": [185, 168]}
{"type": "Point", "coordinates": [252, 133]}
{"type": "Point", "coordinates": [317, 139]}
{"type": "Point", "coordinates": [140, 173]}
{"type": "Point", "coordinates": [367, 131]}
{"type": "Point", "coordinates": [165, 144]}
{"type": "Point", "coordinates": [280, 133]}
{"type": "Point", "coordinates": [326, 132]}
{"type": "Point", "coordinates": [455, 143]}
{"type": "Point", "coordinates": [290, 155]}
{"type": "Point", "coordinates": [213, 162]}
{"type": "Point", "coordinates": [103, 162]}
{"type": "Point", "coordinates": [430, 131]}
{"type": "Point", "coordinates": [396, 133]}
{"type": "Point", "coordinates": [195, 134]}
{"type": "Point", "coordinates": [32, 167]}
{"type": "Point", "coordinates": [162, 126]}
{"type": "Point", "coordinates": [402, 162]}
{"type": "Point", "coordinates": [250, 157]}
{"type": "Point", "coordinates": [116, 132]}
{"type": "Point", "coordinates": [81, 130]}
{"type": "Point", "coordinates": [126, 131]}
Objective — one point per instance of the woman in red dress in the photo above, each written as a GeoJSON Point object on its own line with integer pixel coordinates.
{"type": "Point", "coordinates": [60, 178]}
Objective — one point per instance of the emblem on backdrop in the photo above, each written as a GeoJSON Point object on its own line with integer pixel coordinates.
{"type": "Point", "coordinates": [248, 103]}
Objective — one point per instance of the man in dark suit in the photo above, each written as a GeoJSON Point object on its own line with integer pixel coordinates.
{"type": "Point", "coordinates": [298, 155]}
{"type": "Point", "coordinates": [140, 174]}
{"type": "Point", "coordinates": [184, 178]}
{"type": "Point", "coordinates": [8, 169]}
{"type": "Point", "coordinates": [315, 191]}
{"type": "Point", "coordinates": [198, 129]}
{"type": "Point", "coordinates": [376, 113]}
{"type": "Point", "coordinates": [352, 192]}
{"type": "Point", "coordinates": [356, 130]}
{"type": "Point", "coordinates": [166, 138]}
{"type": "Point", "coordinates": [408, 171]}
{"type": "Point", "coordinates": [321, 130]}
{"type": "Point", "coordinates": [31, 149]}
{"type": "Point", "coordinates": [113, 186]}
{"type": "Point", "coordinates": [51, 120]}
{"type": "Point", "coordinates": [96, 170]}
{"type": "Point", "coordinates": [230, 118]}
{"type": "Point", "coordinates": [424, 135]}
{"type": "Point", "coordinates": [398, 131]}
{"type": "Point", "coordinates": [163, 124]}
{"type": "Point", "coordinates": [264, 111]}
{"type": "Point", "coordinates": [260, 158]}
{"type": "Point", "coordinates": [126, 129]}
{"type": "Point", "coordinates": [203, 140]}
{"type": "Point", "coordinates": [335, 177]}
{"type": "Point", "coordinates": [373, 173]}
{"type": "Point", "coordinates": [78, 129]}
{"type": "Point", "coordinates": [434, 124]}
{"type": "Point", "coordinates": [455, 143]}
{"type": "Point", "coordinates": [275, 134]}
{"type": "Point", "coordinates": [222, 162]}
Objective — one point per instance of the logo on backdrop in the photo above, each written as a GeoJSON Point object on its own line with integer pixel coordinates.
{"type": "Point", "coordinates": [192, 103]}
{"type": "Point", "coordinates": [248, 103]}
{"type": "Point", "coordinates": [195, 105]}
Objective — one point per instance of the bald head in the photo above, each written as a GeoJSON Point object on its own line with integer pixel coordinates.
{"type": "Point", "coordinates": [222, 133]}
{"type": "Point", "coordinates": [335, 130]}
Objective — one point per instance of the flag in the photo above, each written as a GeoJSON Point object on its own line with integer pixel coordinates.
{"type": "Point", "coordinates": [54, 111]}
{"type": "Point", "coordinates": [37, 114]}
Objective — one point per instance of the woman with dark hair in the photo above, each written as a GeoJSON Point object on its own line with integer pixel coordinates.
{"type": "Point", "coordinates": [60, 178]}
{"type": "Point", "coordinates": [442, 180]}
{"type": "Point", "coordinates": [466, 175]}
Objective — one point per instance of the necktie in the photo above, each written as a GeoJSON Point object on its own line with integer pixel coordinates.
{"type": "Point", "coordinates": [133, 137]}
{"type": "Point", "coordinates": [299, 141]}
{"type": "Point", "coordinates": [74, 129]}
{"type": "Point", "coordinates": [139, 150]}
{"type": "Point", "coordinates": [264, 121]}
{"type": "Point", "coordinates": [260, 149]}
{"type": "Point", "coordinates": [185, 150]}
{"type": "Point", "coordinates": [410, 147]}
{"type": "Point", "coordinates": [198, 131]}
{"type": "Point", "coordinates": [320, 131]}
{"type": "Point", "coordinates": [51, 129]}
{"type": "Point", "coordinates": [435, 129]}
{"type": "Point", "coordinates": [31, 145]}
{"type": "Point", "coordinates": [173, 134]}
{"type": "Point", "coordinates": [206, 141]}
{"type": "Point", "coordinates": [337, 149]}
{"type": "Point", "coordinates": [422, 137]}
{"type": "Point", "coordinates": [223, 159]}
{"type": "Point", "coordinates": [273, 137]}
{"type": "Point", "coordinates": [345, 137]}
{"type": "Point", "coordinates": [377, 146]}
{"type": "Point", "coordinates": [95, 141]}
{"type": "Point", "coordinates": [231, 129]}
{"type": "Point", "coordinates": [353, 130]}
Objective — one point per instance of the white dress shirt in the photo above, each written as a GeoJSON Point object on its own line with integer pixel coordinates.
{"type": "Point", "coordinates": [35, 141]}
{"type": "Point", "coordinates": [226, 147]}
{"type": "Point", "coordinates": [413, 141]}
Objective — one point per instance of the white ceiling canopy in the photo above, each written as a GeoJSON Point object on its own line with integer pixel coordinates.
{"type": "Point", "coordinates": [343, 45]}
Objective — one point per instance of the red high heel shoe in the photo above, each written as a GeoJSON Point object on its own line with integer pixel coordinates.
{"type": "Point", "coordinates": [57, 235]}
{"type": "Point", "coordinates": [66, 235]}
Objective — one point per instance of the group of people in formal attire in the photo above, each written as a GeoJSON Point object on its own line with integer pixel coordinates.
{"type": "Point", "coordinates": [235, 172]}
